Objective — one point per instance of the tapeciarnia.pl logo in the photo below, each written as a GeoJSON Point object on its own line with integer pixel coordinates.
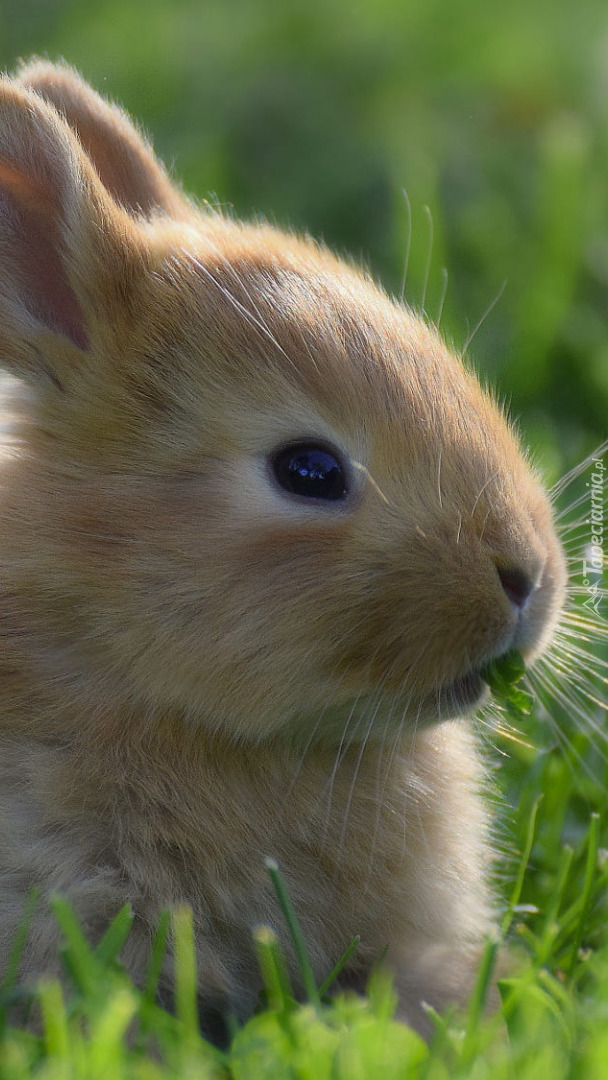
{"type": "Point", "coordinates": [595, 558]}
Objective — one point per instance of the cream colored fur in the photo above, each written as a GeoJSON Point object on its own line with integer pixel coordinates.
{"type": "Point", "coordinates": [198, 670]}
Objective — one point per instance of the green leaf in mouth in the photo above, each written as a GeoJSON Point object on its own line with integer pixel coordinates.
{"type": "Point", "coordinates": [502, 674]}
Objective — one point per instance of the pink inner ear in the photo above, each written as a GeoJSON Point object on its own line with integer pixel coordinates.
{"type": "Point", "coordinates": [36, 260]}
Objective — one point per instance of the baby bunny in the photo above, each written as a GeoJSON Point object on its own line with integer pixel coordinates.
{"type": "Point", "coordinates": [260, 533]}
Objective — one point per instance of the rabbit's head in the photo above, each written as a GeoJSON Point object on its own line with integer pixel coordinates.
{"type": "Point", "coordinates": [248, 489]}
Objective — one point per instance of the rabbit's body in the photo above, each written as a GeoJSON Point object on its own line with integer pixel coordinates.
{"type": "Point", "coordinates": [145, 825]}
{"type": "Point", "coordinates": [209, 654]}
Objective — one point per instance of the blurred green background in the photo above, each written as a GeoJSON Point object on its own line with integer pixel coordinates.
{"type": "Point", "coordinates": [318, 115]}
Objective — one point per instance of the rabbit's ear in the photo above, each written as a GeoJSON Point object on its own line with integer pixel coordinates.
{"type": "Point", "coordinates": [125, 162]}
{"type": "Point", "coordinates": [67, 251]}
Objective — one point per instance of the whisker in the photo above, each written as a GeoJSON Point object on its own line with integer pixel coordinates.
{"type": "Point", "coordinates": [487, 484]}
{"type": "Point", "coordinates": [338, 758]}
{"type": "Point", "coordinates": [368, 476]}
{"type": "Point", "coordinates": [442, 296]}
{"type": "Point", "coordinates": [483, 318]}
{"type": "Point", "coordinates": [459, 530]}
{"type": "Point", "coordinates": [439, 496]}
{"type": "Point", "coordinates": [581, 628]}
{"type": "Point", "coordinates": [557, 490]}
{"type": "Point", "coordinates": [408, 240]}
{"type": "Point", "coordinates": [427, 265]}
{"type": "Point", "coordinates": [254, 320]}
{"type": "Point", "coordinates": [579, 501]}
{"type": "Point", "coordinates": [573, 695]}
{"type": "Point", "coordinates": [582, 660]}
{"type": "Point", "coordinates": [351, 790]}
{"type": "Point", "coordinates": [547, 685]}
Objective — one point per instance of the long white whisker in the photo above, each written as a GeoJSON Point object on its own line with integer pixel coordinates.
{"type": "Point", "coordinates": [487, 484]}
{"type": "Point", "coordinates": [427, 265]}
{"type": "Point", "coordinates": [442, 296]}
{"type": "Point", "coordinates": [483, 318]}
{"type": "Point", "coordinates": [255, 321]}
{"type": "Point", "coordinates": [362, 747]}
{"type": "Point", "coordinates": [408, 240]}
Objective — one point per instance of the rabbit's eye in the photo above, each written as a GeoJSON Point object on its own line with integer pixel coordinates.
{"type": "Point", "coordinates": [310, 471]}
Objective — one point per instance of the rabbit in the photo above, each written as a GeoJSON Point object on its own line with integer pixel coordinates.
{"type": "Point", "coordinates": [262, 530]}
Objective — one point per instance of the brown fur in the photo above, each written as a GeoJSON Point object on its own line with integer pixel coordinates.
{"type": "Point", "coordinates": [196, 669]}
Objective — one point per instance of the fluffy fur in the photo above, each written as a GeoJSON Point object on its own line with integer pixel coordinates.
{"type": "Point", "coordinates": [197, 669]}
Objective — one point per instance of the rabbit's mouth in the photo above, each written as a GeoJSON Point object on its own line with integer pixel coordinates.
{"type": "Point", "coordinates": [463, 694]}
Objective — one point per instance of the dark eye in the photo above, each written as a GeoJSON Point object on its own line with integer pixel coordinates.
{"type": "Point", "coordinates": [310, 471]}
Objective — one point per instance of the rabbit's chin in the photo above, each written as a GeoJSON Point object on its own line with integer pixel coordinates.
{"type": "Point", "coordinates": [458, 698]}
{"type": "Point", "coordinates": [366, 720]}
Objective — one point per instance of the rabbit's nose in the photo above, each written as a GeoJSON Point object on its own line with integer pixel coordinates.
{"type": "Point", "coordinates": [517, 585]}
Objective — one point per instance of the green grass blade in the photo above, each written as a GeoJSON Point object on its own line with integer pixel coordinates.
{"type": "Point", "coordinates": [57, 1035]}
{"type": "Point", "coordinates": [339, 967]}
{"type": "Point", "coordinates": [108, 1033]}
{"type": "Point", "coordinates": [115, 936]}
{"type": "Point", "coordinates": [478, 1000]}
{"type": "Point", "coordinates": [186, 983]}
{"type": "Point", "coordinates": [276, 980]}
{"type": "Point", "coordinates": [297, 937]}
{"type": "Point", "coordinates": [588, 883]}
{"type": "Point", "coordinates": [157, 958]}
{"type": "Point", "coordinates": [18, 946]}
{"type": "Point", "coordinates": [514, 899]}
{"type": "Point", "coordinates": [8, 984]}
{"type": "Point", "coordinates": [551, 923]}
{"type": "Point", "coordinates": [77, 954]}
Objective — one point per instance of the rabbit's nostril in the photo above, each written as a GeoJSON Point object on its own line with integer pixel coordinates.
{"type": "Point", "coordinates": [516, 584]}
